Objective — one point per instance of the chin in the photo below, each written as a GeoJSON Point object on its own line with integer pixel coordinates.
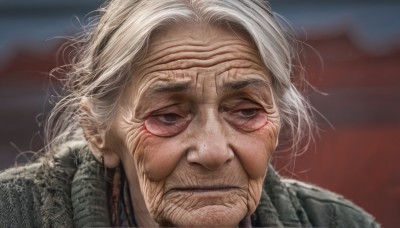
{"type": "Point", "coordinates": [208, 216]}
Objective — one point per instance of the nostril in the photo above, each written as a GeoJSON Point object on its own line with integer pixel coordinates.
{"type": "Point", "coordinates": [210, 159]}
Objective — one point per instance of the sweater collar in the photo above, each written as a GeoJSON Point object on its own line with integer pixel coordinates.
{"type": "Point", "coordinates": [279, 206]}
{"type": "Point", "coordinates": [74, 191]}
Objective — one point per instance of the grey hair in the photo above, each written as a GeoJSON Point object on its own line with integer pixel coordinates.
{"type": "Point", "coordinates": [112, 46]}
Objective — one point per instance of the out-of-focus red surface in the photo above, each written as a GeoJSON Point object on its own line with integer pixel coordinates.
{"type": "Point", "coordinates": [361, 163]}
{"type": "Point", "coordinates": [358, 159]}
{"type": "Point", "coordinates": [345, 64]}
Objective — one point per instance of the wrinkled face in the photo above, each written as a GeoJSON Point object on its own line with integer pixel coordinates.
{"type": "Point", "coordinates": [198, 126]}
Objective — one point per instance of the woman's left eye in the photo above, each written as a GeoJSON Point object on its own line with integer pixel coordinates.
{"type": "Point", "coordinates": [247, 113]}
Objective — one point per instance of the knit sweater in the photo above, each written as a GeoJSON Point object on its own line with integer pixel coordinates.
{"type": "Point", "coordinates": [70, 191]}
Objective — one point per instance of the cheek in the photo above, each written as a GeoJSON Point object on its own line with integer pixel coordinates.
{"type": "Point", "coordinates": [254, 191]}
{"type": "Point", "coordinates": [255, 149]}
{"type": "Point", "coordinates": [158, 156]}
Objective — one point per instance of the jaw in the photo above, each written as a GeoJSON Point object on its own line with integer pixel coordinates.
{"type": "Point", "coordinates": [206, 208]}
{"type": "Point", "coordinates": [206, 216]}
{"type": "Point", "coordinates": [210, 198]}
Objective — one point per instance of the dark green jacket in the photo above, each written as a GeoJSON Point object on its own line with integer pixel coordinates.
{"type": "Point", "coordinates": [70, 191]}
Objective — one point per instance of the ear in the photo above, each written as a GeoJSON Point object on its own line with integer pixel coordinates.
{"type": "Point", "coordinates": [96, 135]}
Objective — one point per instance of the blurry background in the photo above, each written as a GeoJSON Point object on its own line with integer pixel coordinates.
{"type": "Point", "coordinates": [352, 55]}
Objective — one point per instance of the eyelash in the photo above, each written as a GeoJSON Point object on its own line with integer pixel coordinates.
{"type": "Point", "coordinates": [163, 118]}
{"type": "Point", "coordinates": [255, 111]}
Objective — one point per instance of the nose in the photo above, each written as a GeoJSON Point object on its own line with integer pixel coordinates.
{"type": "Point", "coordinates": [211, 149]}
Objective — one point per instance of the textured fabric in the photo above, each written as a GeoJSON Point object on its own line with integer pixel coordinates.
{"type": "Point", "coordinates": [71, 191]}
{"type": "Point", "coordinates": [67, 191]}
{"type": "Point", "coordinates": [122, 213]}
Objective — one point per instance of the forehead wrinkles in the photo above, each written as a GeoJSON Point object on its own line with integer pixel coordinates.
{"type": "Point", "coordinates": [175, 55]}
{"type": "Point", "coordinates": [238, 74]}
{"type": "Point", "coordinates": [192, 52]}
{"type": "Point", "coordinates": [164, 77]}
{"type": "Point", "coordinates": [159, 51]}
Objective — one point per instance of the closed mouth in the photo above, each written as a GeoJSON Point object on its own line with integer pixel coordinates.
{"type": "Point", "coordinates": [206, 189]}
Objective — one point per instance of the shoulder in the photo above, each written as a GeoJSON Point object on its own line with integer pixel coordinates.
{"type": "Point", "coordinates": [17, 196]}
{"type": "Point", "coordinates": [325, 208]}
{"type": "Point", "coordinates": [17, 179]}
{"type": "Point", "coordinates": [26, 172]}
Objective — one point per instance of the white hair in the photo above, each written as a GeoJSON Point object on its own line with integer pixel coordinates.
{"type": "Point", "coordinates": [110, 49]}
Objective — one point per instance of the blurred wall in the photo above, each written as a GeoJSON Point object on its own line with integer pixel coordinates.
{"type": "Point", "coordinates": [351, 54]}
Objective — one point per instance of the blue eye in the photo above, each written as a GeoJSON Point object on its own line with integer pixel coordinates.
{"type": "Point", "coordinates": [247, 113]}
{"type": "Point", "coordinates": [169, 118]}
{"type": "Point", "coordinates": [168, 124]}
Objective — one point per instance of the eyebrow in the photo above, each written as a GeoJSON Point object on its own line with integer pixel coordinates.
{"type": "Point", "coordinates": [170, 87]}
{"type": "Point", "coordinates": [186, 86]}
{"type": "Point", "coordinates": [237, 85]}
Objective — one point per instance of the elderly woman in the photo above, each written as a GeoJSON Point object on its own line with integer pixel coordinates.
{"type": "Point", "coordinates": [173, 110]}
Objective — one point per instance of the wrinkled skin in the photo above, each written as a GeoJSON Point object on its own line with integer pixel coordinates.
{"type": "Point", "coordinates": [196, 128]}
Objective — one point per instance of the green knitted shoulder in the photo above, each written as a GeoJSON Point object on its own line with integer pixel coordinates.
{"type": "Point", "coordinates": [53, 181]}
{"type": "Point", "coordinates": [73, 189]}
{"type": "Point", "coordinates": [278, 206]}
{"type": "Point", "coordinates": [20, 173]}
{"type": "Point", "coordinates": [325, 208]}
{"type": "Point", "coordinates": [17, 197]}
{"type": "Point", "coordinates": [66, 190]}
{"type": "Point", "coordinates": [89, 194]}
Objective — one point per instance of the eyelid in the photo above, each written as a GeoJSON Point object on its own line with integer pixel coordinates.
{"type": "Point", "coordinates": [262, 97]}
{"type": "Point", "coordinates": [249, 102]}
{"type": "Point", "coordinates": [246, 123]}
{"type": "Point", "coordinates": [235, 104]}
{"type": "Point", "coordinates": [177, 108]}
{"type": "Point", "coordinates": [164, 129]}
{"type": "Point", "coordinates": [246, 107]}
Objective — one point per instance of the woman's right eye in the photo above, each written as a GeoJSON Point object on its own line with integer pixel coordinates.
{"type": "Point", "coordinates": [169, 118]}
{"type": "Point", "coordinates": [167, 124]}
